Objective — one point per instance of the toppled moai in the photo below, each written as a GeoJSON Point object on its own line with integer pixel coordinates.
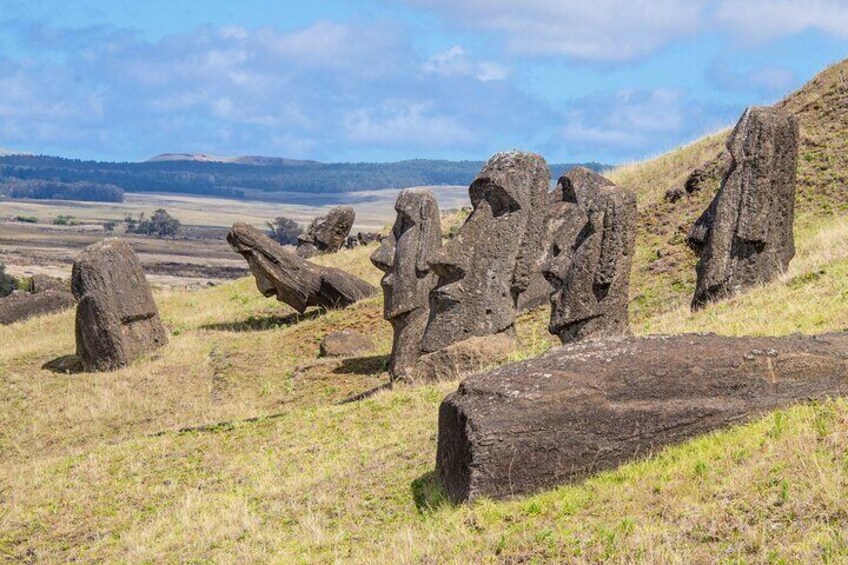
{"type": "Point", "coordinates": [117, 319]}
{"type": "Point", "coordinates": [491, 261]}
{"type": "Point", "coordinates": [404, 257]}
{"type": "Point", "coordinates": [745, 237]}
{"type": "Point", "coordinates": [293, 280]}
{"type": "Point", "coordinates": [593, 235]}
{"type": "Point", "coordinates": [591, 406]}
{"type": "Point", "coordinates": [45, 295]}
{"type": "Point", "coordinates": [326, 234]}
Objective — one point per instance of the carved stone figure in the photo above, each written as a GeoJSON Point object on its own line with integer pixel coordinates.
{"type": "Point", "coordinates": [484, 269]}
{"type": "Point", "coordinates": [745, 236]}
{"type": "Point", "coordinates": [293, 280]}
{"type": "Point", "coordinates": [117, 320]}
{"type": "Point", "coordinates": [326, 234]}
{"type": "Point", "coordinates": [403, 256]}
{"type": "Point", "coordinates": [593, 232]}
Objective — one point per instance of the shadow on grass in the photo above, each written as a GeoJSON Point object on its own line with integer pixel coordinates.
{"type": "Point", "coordinates": [66, 365]}
{"type": "Point", "coordinates": [258, 324]}
{"type": "Point", "coordinates": [428, 494]}
{"type": "Point", "coordinates": [371, 365]}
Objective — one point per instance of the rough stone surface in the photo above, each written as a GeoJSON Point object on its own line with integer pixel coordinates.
{"type": "Point", "coordinates": [745, 236]}
{"type": "Point", "coordinates": [117, 320]}
{"type": "Point", "coordinates": [326, 234]}
{"type": "Point", "coordinates": [465, 357]}
{"type": "Point", "coordinates": [593, 237]}
{"type": "Point", "coordinates": [404, 257]}
{"type": "Point", "coordinates": [20, 306]}
{"type": "Point", "coordinates": [493, 258]}
{"type": "Point", "coordinates": [345, 343]}
{"type": "Point", "coordinates": [592, 406]}
{"type": "Point", "coordinates": [709, 175]}
{"type": "Point", "coordinates": [42, 283]}
{"type": "Point", "coordinates": [293, 280]}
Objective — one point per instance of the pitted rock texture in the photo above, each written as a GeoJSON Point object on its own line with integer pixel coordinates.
{"type": "Point", "coordinates": [404, 257]}
{"type": "Point", "coordinates": [594, 405]}
{"type": "Point", "coordinates": [593, 236]}
{"type": "Point", "coordinates": [293, 280]}
{"type": "Point", "coordinates": [345, 343]}
{"type": "Point", "coordinates": [326, 234]}
{"type": "Point", "coordinates": [745, 236]}
{"type": "Point", "coordinates": [484, 269]}
{"type": "Point", "coordinates": [117, 320]}
{"type": "Point", "coordinates": [460, 359]}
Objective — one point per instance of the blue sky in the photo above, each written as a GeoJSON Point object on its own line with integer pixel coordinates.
{"type": "Point", "coordinates": [376, 80]}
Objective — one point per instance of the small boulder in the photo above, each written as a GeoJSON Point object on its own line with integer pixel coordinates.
{"type": "Point", "coordinates": [463, 358]}
{"type": "Point", "coordinates": [345, 343]}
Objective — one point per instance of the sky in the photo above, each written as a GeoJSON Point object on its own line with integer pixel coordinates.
{"type": "Point", "coordinates": [383, 80]}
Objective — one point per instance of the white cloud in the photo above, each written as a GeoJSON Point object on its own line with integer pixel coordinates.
{"type": "Point", "coordinates": [457, 62]}
{"type": "Point", "coordinates": [403, 122]}
{"type": "Point", "coordinates": [760, 20]}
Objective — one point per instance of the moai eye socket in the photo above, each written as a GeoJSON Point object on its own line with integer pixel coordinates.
{"type": "Point", "coordinates": [499, 200]}
{"type": "Point", "coordinates": [555, 250]}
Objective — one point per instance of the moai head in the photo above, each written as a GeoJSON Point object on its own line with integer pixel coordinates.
{"type": "Point", "coordinates": [405, 253]}
{"type": "Point", "coordinates": [592, 241]}
{"type": "Point", "coordinates": [482, 270]}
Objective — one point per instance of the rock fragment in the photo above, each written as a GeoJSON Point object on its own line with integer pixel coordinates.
{"type": "Point", "coordinates": [326, 234]}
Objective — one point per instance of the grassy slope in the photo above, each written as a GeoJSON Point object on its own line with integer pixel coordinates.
{"type": "Point", "coordinates": [94, 467]}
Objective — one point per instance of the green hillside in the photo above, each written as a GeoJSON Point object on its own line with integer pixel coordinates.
{"type": "Point", "coordinates": [227, 445]}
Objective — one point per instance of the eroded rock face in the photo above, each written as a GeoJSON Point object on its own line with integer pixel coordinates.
{"type": "Point", "coordinates": [492, 260]}
{"type": "Point", "coordinates": [592, 406]}
{"type": "Point", "coordinates": [292, 280]}
{"type": "Point", "coordinates": [593, 233]}
{"type": "Point", "coordinates": [745, 236]}
{"type": "Point", "coordinates": [117, 320]}
{"type": "Point", "coordinates": [404, 257]}
{"type": "Point", "coordinates": [326, 234]}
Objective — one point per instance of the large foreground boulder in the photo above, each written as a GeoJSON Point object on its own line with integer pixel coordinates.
{"type": "Point", "coordinates": [745, 236]}
{"type": "Point", "coordinates": [326, 234]}
{"type": "Point", "coordinates": [117, 320]}
{"type": "Point", "coordinates": [292, 280]}
{"type": "Point", "coordinates": [594, 405]}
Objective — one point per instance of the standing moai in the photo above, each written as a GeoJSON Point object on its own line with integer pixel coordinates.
{"type": "Point", "coordinates": [326, 234]}
{"type": "Point", "coordinates": [745, 236]}
{"type": "Point", "coordinates": [117, 320]}
{"type": "Point", "coordinates": [593, 235]}
{"type": "Point", "coordinates": [403, 256]}
{"type": "Point", "coordinates": [486, 267]}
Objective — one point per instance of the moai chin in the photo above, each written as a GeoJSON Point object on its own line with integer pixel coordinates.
{"type": "Point", "coordinates": [403, 256]}
{"type": "Point", "coordinates": [593, 237]}
{"type": "Point", "coordinates": [484, 269]}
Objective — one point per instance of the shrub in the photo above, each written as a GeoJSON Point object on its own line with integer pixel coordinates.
{"type": "Point", "coordinates": [8, 283]}
{"type": "Point", "coordinates": [284, 230]}
{"type": "Point", "coordinates": [27, 219]}
{"type": "Point", "coordinates": [161, 224]}
{"type": "Point", "coordinates": [64, 221]}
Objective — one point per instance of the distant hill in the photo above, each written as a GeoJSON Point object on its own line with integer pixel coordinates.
{"type": "Point", "coordinates": [277, 179]}
{"type": "Point", "coordinates": [243, 160]}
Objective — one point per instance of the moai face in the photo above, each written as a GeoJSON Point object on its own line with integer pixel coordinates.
{"type": "Point", "coordinates": [481, 267]}
{"type": "Point", "coordinates": [590, 257]}
{"type": "Point", "coordinates": [405, 253]}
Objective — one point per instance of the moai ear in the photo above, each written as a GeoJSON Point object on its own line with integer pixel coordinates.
{"type": "Point", "coordinates": [429, 234]}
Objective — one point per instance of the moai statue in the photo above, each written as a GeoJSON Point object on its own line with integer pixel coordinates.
{"type": "Point", "coordinates": [745, 237]}
{"type": "Point", "coordinates": [403, 255]}
{"type": "Point", "coordinates": [117, 320]}
{"type": "Point", "coordinates": [593, 233]}
{"type": "Point", "coordinates": [326, 234]}
{"type": "Point", "coordinates": [485, 268]}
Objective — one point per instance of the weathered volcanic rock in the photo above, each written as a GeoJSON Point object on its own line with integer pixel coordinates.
{"type": "Point", "coordinates": [594, 235]}
{"type": "Point", "coordinates": [326, 234]}
{"type": "Point", "coordinates": [117, 319]}
{"type": "Point", "coordinates": [709, 175]}
{"type": "Point", "coordinates": [20, 306]}
{"type": "Point", "coordinates": [345, 343]}
{"type": "Point", "coordinates": [460, 359]}
{"type": "Point", "coordinates": [745, 236]}
{"type": "Point", "coordinates": [42, 283]}
{"type": "Point", "coordinates": [293, 280]}
{"type": "Point", "coordinates": [496, 253]}
{"type": "Point", "coordinates": [592, 406]}
{"type": "Point", "coordinates": [404, 257]}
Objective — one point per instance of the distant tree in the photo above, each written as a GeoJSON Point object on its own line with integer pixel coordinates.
{"type": "Point", "coordinates": [160, 224]}
{"type": "Point", "coordinates": [109, 227]}
{"type": "Point", "coordinates": [284, 230]}
{"type": "Point", "coordinates": [8, 283]}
